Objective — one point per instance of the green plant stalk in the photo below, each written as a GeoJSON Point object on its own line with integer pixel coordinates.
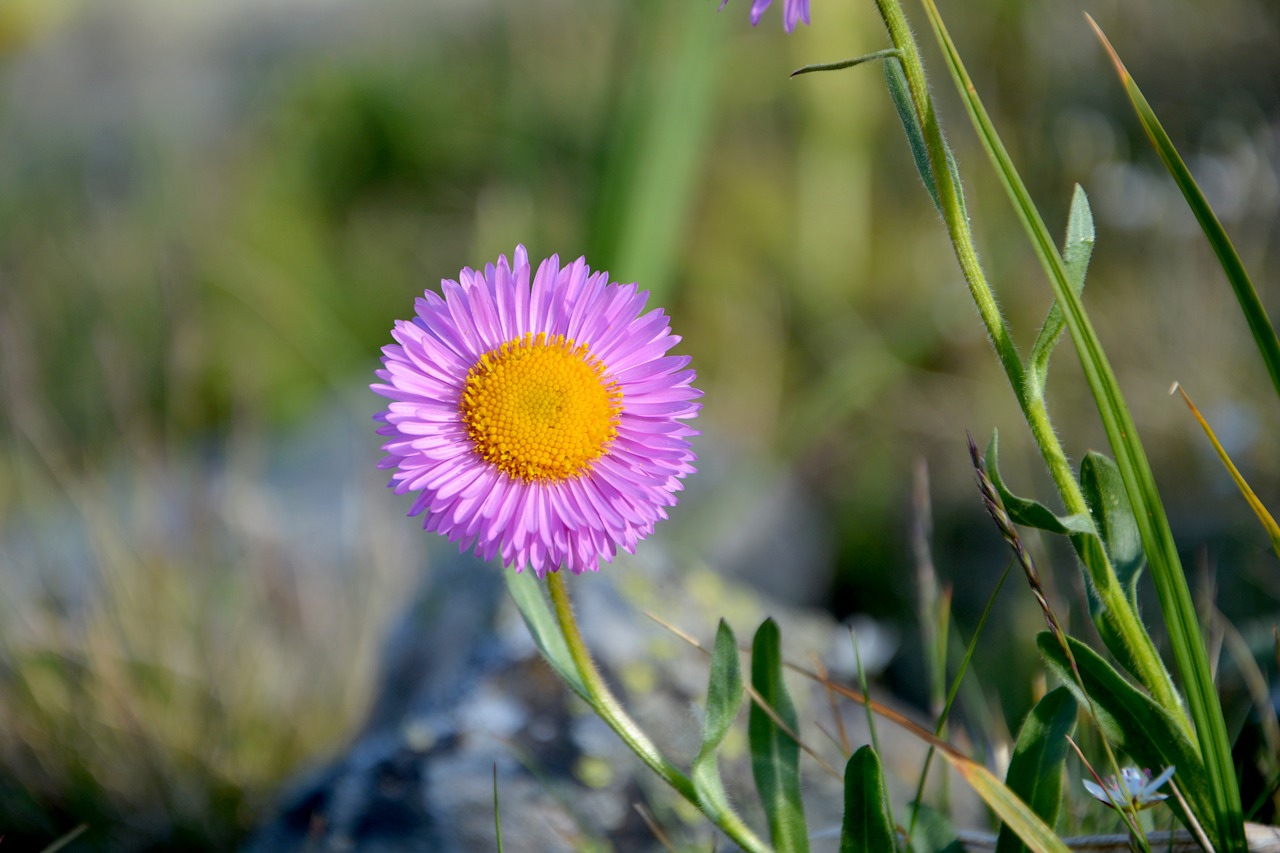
{"type": "Point", "coordinates": [1030, 394]}
{"type": "Point", "coordinates": [1176, 605]}
{"type": "Point", "coordinates": [609, 709]}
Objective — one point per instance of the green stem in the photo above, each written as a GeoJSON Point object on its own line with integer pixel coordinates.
{"type": "Point", "coordinates": [607, 706]}
{"type": "Point", "coordinates": [1119, 610]}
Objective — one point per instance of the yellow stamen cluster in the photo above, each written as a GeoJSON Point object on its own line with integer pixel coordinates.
{"type": "Point", "coordinates": [540, 409]}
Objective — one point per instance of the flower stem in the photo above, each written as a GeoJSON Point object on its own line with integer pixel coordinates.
{"type": "Point", "coordinates": [1119, 611]}
{"type": "Point", "coordinates": [607, 706]}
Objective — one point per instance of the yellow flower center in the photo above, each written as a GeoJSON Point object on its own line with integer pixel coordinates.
{"type": "Point", "coordinates": [540, 409]}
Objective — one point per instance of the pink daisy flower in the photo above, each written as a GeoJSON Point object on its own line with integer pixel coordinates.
{"type": "Point", "coordinates": [793, 11]}
{"type": "Point", "coordinates": [543, 423]}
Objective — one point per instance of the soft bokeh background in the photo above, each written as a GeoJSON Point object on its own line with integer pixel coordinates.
{"type": "Point", "coordinates": [211, 212]}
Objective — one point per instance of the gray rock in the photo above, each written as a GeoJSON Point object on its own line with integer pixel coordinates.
{"type": "Point", "coordinates": [464, 697]}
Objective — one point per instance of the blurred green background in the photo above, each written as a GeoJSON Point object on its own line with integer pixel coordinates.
{"type": "Point", "coordinates": [211, 213]}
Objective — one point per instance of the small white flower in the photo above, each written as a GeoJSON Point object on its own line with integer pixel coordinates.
{"type": "Point", "coordinates": [1135, 790]}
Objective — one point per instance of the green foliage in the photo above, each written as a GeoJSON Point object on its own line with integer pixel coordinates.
{"type": "Point", "coordinates": [724, 696]}
{"type": "Point", "coordinates": [866, 827]}
{"type": "Point", "coordinates": [1118, 529]}
{"type": "Point", "coordinates": [1157, 538]}
{"type": "Point", "coordinates": [529, 599]}
{"type": "Point", "coordinates": [1264, 334]}
{"type": "Point", "coordinates": [1134, 723]}
{"type": "Point", "coordinates": [1009, 808]}
{"type": "Point", "coordinates": [1113, 517]}
{"type": "Point", "coordinates": [1025, 511]}
{"type": "Point", "coordinates": [1039, 756]}
{"type": "Point", "coordinates": [1259, 509]}
{"type": "Point", "coordinates": [775, 754]}
{"type": "Point", "coordinates": [1077, 249]}
{"type": "Point", "coordinates": [901, 95]}
{"type": "Point", "coordinates": [497, 812]}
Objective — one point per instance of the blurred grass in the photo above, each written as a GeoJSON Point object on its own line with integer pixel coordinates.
{"type": "Point", "coordinates": [211, 213]}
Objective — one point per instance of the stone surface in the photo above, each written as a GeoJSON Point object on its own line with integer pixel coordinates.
{"type": "Point", "coordinates": [463, 696]}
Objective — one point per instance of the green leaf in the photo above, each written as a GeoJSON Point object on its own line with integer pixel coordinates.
{"type": "Point", "coordinates": [724, 695]}
{"type": "Point", "coordinates": [1113, 516]}
{"type": "Point", "coordinates": [1133, 722]}
{"type": "Point", "coordinates": [1026, 512]}
{"type": "Point", "coordinates": [1014, 812]}
{"type": "Point", "coordinates": [526, 592]}
{"type": "Point", "coordinates": [1104, 492]}
{"type": "Point", "coordinates": [1076, 253]}
{"type": "Point", "coordinates": [497, 813]}
{"type": "Point", "coordinates": [1264, 334]}
{"type": "Point", "coordinates": [662, 128]}
{"type": "Point", "coordinates": [775, 755]}
{"type": "Point", "coordinates": [901, 95]}
{"type": "Point", "coordinates": [1170, 581]}
{"type": "Point", "coordinates": [1035, 771]}
{"type": "Point", "coordinates": [866, 827]}
{"type": "Point", "coordinates": [887, 53]}
{"type": "Point", "coordinates": [1264, 516]}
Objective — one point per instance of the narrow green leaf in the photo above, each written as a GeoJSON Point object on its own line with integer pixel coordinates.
{"type": "Point", "coordinates": [1026, 512]}
{"type": "Point", "coordinates": [1014, 812]}
{"type": "Point", "coordinates": [724, 696]}
{"type": "Point", "coordinates": [1035, 771]}
{"type": "Point", "coordinates": [1077, 250]}
{"type": "Point", "coordinates": [866, 827]}
{"type": "Point", "coordinates": [901, 95]}
{"type": "Point", "coordinates": [1264, 334]}
{"type": "Point", "coordinates": [497, 813]}
{"type": "Point", "coordinates": [846, 63]}
{"type": "Point", "coordinates": [526, 592]}
{"type": "Point", "coordinates": [918, 806]}
{"type": "Point", "coordinates": [1176, 604]}
{"type": "Point", "coordinates": [662, 128]}
{"type": "Point", "coordinates": [775, 756]}
{"type": "Point", "coordinates": [1133, 722]}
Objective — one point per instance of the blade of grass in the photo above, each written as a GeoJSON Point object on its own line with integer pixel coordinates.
{"type": "Point", "coordinates": [871, 729]}
{"type": "Point", "coordinates": [1157, 538]}
{"type": "Point", "coordinates": [1268, 521]}
{"type": "Point", "coordinates": [662, 130]}
{"type": "Point", "coordinates": [497, 813]}
{"type": "Point", "coordinates": [1264, 334]}
{"type": "Point", "coordinates": [1015, 813]}
{"type": "Point", "coordinates": [951, 694]}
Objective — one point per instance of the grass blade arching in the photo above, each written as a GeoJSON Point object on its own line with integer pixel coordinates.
{"type": "Point", "coordinates": [1268, 521]}
{"type": "Point", "coordinates": [1264, 334]}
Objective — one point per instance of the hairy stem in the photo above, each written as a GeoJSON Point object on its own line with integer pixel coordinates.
{"type": "Point", "coordinates": [607, 706]}
{"type": "Point", "coordinates": [1118, 609]}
